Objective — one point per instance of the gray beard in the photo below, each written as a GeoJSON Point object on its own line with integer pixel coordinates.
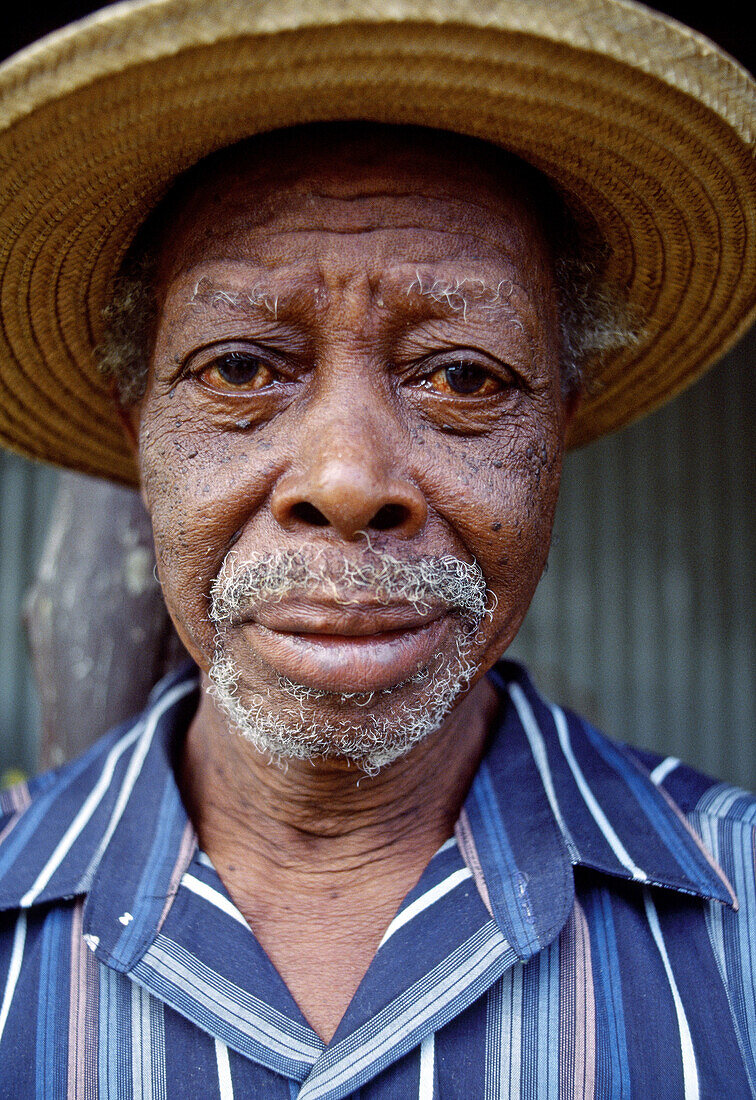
{"type": "Point", "coordinates": [287, 725]}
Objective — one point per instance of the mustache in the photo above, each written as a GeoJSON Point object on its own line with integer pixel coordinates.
{"type": "Point", "coordinates": [425, 583]}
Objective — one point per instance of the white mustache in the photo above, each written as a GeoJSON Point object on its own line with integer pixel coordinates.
{"type": "Point", "coordinates": [424, 583]}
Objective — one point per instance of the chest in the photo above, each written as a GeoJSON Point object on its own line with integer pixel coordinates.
{"type": "Point", "coordinates": [322, 961]}
{"type": "Point", "coordinates": [560, 1026]}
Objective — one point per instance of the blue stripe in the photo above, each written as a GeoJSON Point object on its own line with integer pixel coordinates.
{"type": "Point", "coordinates": [52, 1053]}
{"type": "Point", "coordinates": [737, 848]}
{"type": "Point", "coordinates": [152, 889]}
{"type": "Point", "coordinates": [669, 830]}
{"type": "Point", "coordinates": [613, 1079]}
{"type": "Point", "coordinates": [114, 1040]}
{"type": "Point", "coordinates": [544, 971]}
{"type": "Point", "coordinates": [24, 831]}
{"type": "Point", "coordinates": [506, 886]}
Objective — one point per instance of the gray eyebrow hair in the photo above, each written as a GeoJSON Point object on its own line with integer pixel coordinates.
{"type": "Point", "coordinates": [459, 295]}
{"type": "Point", "coordinates": [259, 297]}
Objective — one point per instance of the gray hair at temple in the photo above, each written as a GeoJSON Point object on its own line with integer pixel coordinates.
{"type": "Point", "coordinates": [593, 318]}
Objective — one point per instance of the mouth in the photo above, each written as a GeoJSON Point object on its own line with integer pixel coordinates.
{"type": "Point", "coordinates": [347, 649]}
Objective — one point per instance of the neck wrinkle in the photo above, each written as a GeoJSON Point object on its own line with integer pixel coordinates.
{"type": "Point", "coordinates": [311, 824]}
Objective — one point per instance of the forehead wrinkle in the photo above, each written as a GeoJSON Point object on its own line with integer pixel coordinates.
{"type": "Point", "coordinates": [279, 199]}
{"type": "Point", "coordinates": [337, 219]}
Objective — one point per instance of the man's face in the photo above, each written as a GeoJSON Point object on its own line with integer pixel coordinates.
{"type": "Point", "coordinates": [355, 364]}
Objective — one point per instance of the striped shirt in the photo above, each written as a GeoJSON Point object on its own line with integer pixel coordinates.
{"type": "Point", "coordinates": [585, 933]}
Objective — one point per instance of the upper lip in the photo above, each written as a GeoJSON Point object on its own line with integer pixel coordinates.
{"type": "Point", "coordinates": [351, 620]}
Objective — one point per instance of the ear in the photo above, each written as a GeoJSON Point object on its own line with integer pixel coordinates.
{"type": "Point", "coordinates": [129, 418]}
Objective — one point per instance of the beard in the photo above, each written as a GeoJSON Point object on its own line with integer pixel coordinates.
{"type": "Point", "coordinates": [371, 729]}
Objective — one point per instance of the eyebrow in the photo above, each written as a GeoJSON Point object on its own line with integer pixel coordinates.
{"type": "Point", "coordinates": [258, 299]}
{"type": "Point", "coordinates": [451, 296]}
{"type": "Point", "coordinates": [460, 295]}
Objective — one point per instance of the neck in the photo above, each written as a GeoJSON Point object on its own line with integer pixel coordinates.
{"type": "Point", "coordinates": [318, 857]}
{"type": "Point", "coordinates": [309, 824]}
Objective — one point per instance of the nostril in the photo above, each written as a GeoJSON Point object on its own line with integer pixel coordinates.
{"type": "Point", "coordinates": [308, 514]}
{"type": "Point", "coordinates": [388, 517]}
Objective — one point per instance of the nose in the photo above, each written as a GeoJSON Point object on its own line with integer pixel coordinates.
{"type": "Point", "coordinates": [349, 486]}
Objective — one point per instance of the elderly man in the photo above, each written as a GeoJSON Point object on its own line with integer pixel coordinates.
{"type": "Point", "coordinates": [358, 854]}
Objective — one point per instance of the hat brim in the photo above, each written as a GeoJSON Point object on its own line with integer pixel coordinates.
{"type": "Point", "coordinates": [647, 124]}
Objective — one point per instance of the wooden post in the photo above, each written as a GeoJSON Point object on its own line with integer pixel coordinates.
{"type": "Point", "coordinates": [99, 632]}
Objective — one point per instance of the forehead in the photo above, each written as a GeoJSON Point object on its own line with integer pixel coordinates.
{"type": "Point", "coordinates": [366, 197]}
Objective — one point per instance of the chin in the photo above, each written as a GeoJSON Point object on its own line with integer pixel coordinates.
{"type": "Point", "coordinates": [289, 721]}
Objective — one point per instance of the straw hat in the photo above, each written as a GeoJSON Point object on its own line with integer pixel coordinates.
{"type": "Point", "coordinates": [648, 124]}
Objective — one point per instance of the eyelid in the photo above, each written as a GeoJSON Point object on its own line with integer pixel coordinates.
{"type": "Point", "coordinates": [502, 372]}
{"type": "Point", "coordinates": [202, 360]}
{"type": "Point", "coordinates": [205, 357]}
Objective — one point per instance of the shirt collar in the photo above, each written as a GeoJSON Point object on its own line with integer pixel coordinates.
{"type": "Point", "coordinates": [563, 793]}
{"type": "Point", "coordinates": [551, 792]}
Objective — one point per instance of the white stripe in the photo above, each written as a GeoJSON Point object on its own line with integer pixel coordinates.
{"type": "Point", "coordinates": [88, 807]}
{"type": "Point", "coordinates": [14, 969]}
{"type": "Point", "coordinates": [192, 979]}
{"type": "Point", "coordinates": [204, 859]}
{"type": "Point", "coordinates": [136, 762]}
{"type": "Point", "coordinates": [224, 1071]}
{"type": "Point", "coordinates": [97, 793]}
{"type": "Point", "coordinates": [427, 1059]}
{"type": "Point", "coordinates": [690, 1070]}
{"type": "Point", "coordinates": [209, 893]}
{"type": "Point", "coordinates": [410, 1012]}
{"type": "Point", "coordinates": [661, 771]}
{"type": "Point", "coordinates": [538, 748]}
{"type": "Point", "coordinates": [427, 899]}
{"type": "Point", "coordinates": [446, 846]}
{"type": "Point", "coordinates": [597, 813]}
{"type": "Point", "coordinates": [141, 1078]}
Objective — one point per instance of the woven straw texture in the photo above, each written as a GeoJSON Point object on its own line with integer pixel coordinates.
{"type": "Point", "coordinates": [647, 124]}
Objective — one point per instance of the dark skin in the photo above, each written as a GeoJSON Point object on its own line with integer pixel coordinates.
{"type": "Point", "coordinates": [355, 378]}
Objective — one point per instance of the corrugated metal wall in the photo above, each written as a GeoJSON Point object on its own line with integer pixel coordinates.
{"type": "Point", "coordinates": [26, 494]}
{"type": "Point", "coordinates": [644, 620]}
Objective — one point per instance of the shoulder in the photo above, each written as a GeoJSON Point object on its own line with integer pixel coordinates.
{"type": "Point", "coordinates": [53, 829]}
{"type": "Point", "coordinates": [697, 795]}
{"type": "Point", "coordinates": [722, 816]}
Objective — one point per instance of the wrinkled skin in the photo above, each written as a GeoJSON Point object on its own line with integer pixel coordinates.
{"type": "Point", "coordinates": [350, 425]}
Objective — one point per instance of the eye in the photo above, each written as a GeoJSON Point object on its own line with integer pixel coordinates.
{"type": "Point", "coordinates": [237, 370]}
{"type": "Point", "coordinates": [464, 377]}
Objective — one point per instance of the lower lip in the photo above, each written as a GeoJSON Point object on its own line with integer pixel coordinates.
{"type": "Point", "coordinates": [345, 663]}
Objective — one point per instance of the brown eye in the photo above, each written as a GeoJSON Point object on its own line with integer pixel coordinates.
{"type": "Point", "coordinates": [463, 377]}
{"type": "Point", "coordinates": [238, 370]}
